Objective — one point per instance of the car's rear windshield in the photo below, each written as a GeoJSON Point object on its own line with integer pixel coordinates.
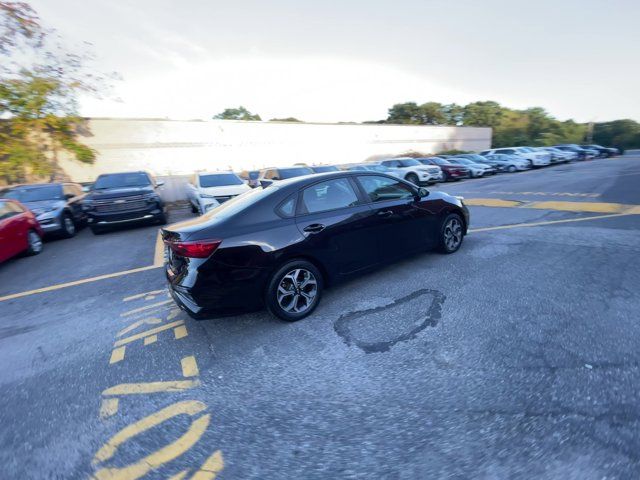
{"type": "Point", "coordinates": [34, 194]}
{"type": "Point", "coordinates": [239, 203]}
{"type": "Point", "coordinates": [294, 172]}
{"type": "Point", "coordinates": [122, 180]}
{"type": "Point", "coordinates": [325, 168]}
{"type": "Point", "coordinates": [219, 180]}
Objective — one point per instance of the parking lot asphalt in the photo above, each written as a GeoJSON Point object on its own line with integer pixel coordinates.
{"type": "Point", "coordinates": [516, 357]}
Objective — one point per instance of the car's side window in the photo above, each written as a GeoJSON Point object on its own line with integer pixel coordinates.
{"type": "Point", "coordinates": [9, 209]}
{"type": "Point", "coordinates": [380, 189]}
{"type": "Point", "coordinates": [288, 207]}
{"type": "Point", "coordinates": [329, 195]}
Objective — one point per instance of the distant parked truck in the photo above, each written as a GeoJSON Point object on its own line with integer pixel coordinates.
{"type": "Point", "coordinates": [122, 199]}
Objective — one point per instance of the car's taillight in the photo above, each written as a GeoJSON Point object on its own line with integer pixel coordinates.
{"type": "Point", "coordinates": [195, 249]}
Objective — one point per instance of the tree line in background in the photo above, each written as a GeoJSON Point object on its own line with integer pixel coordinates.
{"type": "Point", "coordinates": [532, 126]}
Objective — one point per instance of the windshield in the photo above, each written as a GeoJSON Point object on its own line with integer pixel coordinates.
{"type": "Point", "coordinates": [410, 163]}
{"type": "Point", "coordinates": [122, 180]}
{"type": "Point", "coordinates": [294, 172]}
{"type": "Point", "coordinates": [527, 149]}
{"type": "Point", "coordinates": [442, 161]}
{"type": "Point", "coordinates": [325, 168]}
{"type": "Point", "coordinates": [377, 168]}
{"type": "Point", "coordinates": [219, 180]}
{"type": "Point", "coordinates": [254, 175]}
{"type": "Point", "coordinates": [35, 194]}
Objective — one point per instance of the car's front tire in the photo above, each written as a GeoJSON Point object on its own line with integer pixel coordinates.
{"type": "Point", "coordinates": [68, 226]}
{"type": "Point", "coordinates": [512, 168]}
{"type": "Point", "coordinates": [294, 290]}
{"type": "Point", "coordinates": [451, 233]}
{"type": "Point", "coordinates": [34, 243]}
{"type": "Point", "coordinates": [413, 178]}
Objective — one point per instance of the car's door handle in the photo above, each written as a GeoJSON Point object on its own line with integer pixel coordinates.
{"type": "Point", "coordinates": [385, 213]}
{"type": "Point", "coordinates": [314, 228]}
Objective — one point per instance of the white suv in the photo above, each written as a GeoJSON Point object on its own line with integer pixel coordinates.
{"type": "Point", "coordinates": [413, 171]}
{"type": "Point", "coordinates": [208, 190]}
{"type": "Point", "coordinates": [536, 158]}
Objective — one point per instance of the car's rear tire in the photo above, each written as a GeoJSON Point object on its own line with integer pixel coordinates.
{"type": "Point", "coordinates": [68, 226]}
{"type": "Point", "coordinates": [451, 233]}
{"type": "Point", "coordinates": [413, 178]}
{"type": "Point", "coordinates": [294, 290]}
{"type": "Point", "coordinates": [34, 243]}
{"type": "Point", "coordinates": [512, 168]}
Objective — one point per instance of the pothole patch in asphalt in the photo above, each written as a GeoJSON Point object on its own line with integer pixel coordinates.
{"type": "Point", "coordinates": [378, 329]}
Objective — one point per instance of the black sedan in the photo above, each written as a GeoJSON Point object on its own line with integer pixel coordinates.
{"type": "Point", "coordinates": [280, 245]}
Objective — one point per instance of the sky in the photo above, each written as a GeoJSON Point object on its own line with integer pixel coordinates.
{"type": "Point", "coordinates": [350, 60]}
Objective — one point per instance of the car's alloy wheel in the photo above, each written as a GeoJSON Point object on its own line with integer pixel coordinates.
{"type": "Point", "coordinates": [294, 290]}
{"type": "Point", "coordinates": [69, 228]}
{"type": "Point", "coordinates": [35, 243]}
{"type": "Point", "coordinates": [452, 233]}
{"type": "Point", "coordinates": [512, 168]}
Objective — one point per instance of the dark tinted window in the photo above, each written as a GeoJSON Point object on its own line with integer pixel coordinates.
{"type": "Point", "coordinates": [122, 180]}
{"type": "Point", "coordinates": [254, 175]}
{"type": "Point", "coordinates": [441, 161]}
{"type": "Point", "coordinates": [294, 172]}
{"type": "Point", "coordinates": [219, 180]}
{"type": "Point", "coordinates": [329, 195]}
{"type": "Point", "coordinates": [380, 189]}
{"type": "Point", "coordinates": [391, 163]}
{"type": "Point", "coordinates": [35, 193]}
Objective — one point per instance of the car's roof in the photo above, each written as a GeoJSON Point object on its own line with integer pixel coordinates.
{"type": "Point", "coordinates": [31, 185]}
{"type": "Point", "coordinates": [304, 180]}
{"type": "Point", "coordinates": [218, 172]}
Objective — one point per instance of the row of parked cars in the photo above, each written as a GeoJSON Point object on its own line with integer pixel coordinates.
{"type": "Point", "coordinates": [207, 190]}
{"type": "Point", "coordinates": [28, 212]}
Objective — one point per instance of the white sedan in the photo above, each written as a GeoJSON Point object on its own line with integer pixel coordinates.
{"type": "Point", "coordinates": [208, 190]}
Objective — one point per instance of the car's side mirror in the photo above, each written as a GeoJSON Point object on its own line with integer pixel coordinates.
{"type": "Point", "coordinates": [423, 192]}
{"type": "Point", "coordinates": [159, 183]}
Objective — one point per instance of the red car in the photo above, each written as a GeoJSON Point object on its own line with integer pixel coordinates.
{"type": "Point", "coordinates": [19, 230]}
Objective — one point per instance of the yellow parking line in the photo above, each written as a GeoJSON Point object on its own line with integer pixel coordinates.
{"type": "Point", "coordinates": [550, 222]}
{"type": "Point", "coordinates": [491, 202]}
{"type": "Point", "coordinates": [150, 339]}
{"type": "Point", "coordinates": [150, 387]}
{"type": "Point", "coordinates": [142, 295]}
{"type": "Point", "coordinates": [595, 207]}
{"type": "Point", "coordinates": [76, 282]}
{"type": "Point", "coordinates": [189, 367]}
{"type": "Point", "coordinates": [153, 306]}
{"type": "Point", "coordinates": [147, 333]}
{"type": "Point", "coordinates": [108, 407]}
{"type": "Point", "coordinates": [180, 332]}
{"type": "Point", "coordinates": [117, 355]}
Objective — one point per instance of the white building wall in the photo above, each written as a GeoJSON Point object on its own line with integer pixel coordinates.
{"type": "Point", "coordinates": [168, 147]}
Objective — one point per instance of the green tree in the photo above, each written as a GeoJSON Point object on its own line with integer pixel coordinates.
{"type": "Point", "coordinates": [619, 133]}
{"type": "Point", "coordinates": [39, 82]}
{"type": "Point", "coordinates": [239, 113]}
{"type": "Point", "coordinates": [288, 119]}
{"type": "Point", "coordinates": [483, 114]}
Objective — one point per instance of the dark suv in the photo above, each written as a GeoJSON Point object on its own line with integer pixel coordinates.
{"type": "Point", "coordinates": [123, 198]}
{"type": "Point", "coordinates": [56, 206]}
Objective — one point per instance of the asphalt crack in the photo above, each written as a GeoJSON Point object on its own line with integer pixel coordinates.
{"type": "Point", "coordinates": [376, 330]}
